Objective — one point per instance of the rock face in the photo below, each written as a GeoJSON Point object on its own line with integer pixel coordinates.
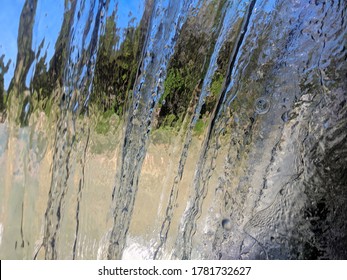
{"type": "Point", "coordinates": [209, 129]}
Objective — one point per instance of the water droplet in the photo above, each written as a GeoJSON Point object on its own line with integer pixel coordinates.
{"type": "Point", "coordinates": [226, 224]}
{"type": "Point", "coordinates": [262, 105]}
{"type": "Point", "coordinates": [285, 116]}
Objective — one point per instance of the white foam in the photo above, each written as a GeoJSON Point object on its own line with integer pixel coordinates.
{"type": "Point", "coordinates": [136, 251]}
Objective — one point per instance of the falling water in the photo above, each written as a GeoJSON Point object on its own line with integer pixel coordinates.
{"type": "Point", "coordinates": [161, 129]}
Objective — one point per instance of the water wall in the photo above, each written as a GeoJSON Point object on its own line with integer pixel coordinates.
{"type": "Point", "coordinates": [173, 129]}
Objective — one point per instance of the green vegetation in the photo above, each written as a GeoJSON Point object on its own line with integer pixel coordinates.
{"type": "Point", "coordinates": [163, 135]}
{"type": "Point", "coordinates": [216, 85]}
{"type": "Point", "coordinates": [200, 127]}
{"type": "Point", "coordinates": [189, 64]}
{"type": "Point", "coordinates": [174, 82]}
{"type": "Point", "coordinates": [117, 63]}
{"type": "Point", "coordinates": [3, 70]}
{"type": "Point", "coordinates": [188, 67]}
{"type": "Point", "coordinates": [43, 82]}
{"type": "Point", "coordinates": [214, 92]}
{"type": "Point", "coordinates": [104, 122]}
{"type": "Point", "coordinates": [48, 105]}
{"type": "Point", "coordinates": [169, 120]}
{"type": "Point", "coordinates": [185, 71]}
{"type": "Point", "coordinates": [115, 69]}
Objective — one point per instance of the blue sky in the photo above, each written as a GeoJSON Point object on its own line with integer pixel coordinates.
{"type": "Point", "coordinates": [136, 9]}
{"type": "Point", "coordinates": [9, 22]}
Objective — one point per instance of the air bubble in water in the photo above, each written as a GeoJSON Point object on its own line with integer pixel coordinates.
{"type": "Point", "coordinates": [262, 105]}
{"type": "Point", "coordinates": [226, 224]}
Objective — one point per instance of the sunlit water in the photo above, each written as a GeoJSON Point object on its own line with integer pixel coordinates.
{"type": "Point", "coordinates": [173, 130]}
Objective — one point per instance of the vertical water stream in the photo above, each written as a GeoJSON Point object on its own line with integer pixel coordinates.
{"type": "Point", "coordinates": [190, 129]}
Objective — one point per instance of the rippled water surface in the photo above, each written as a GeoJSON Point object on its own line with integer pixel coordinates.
{"type": "Point", "coordinates": [189, 129]}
